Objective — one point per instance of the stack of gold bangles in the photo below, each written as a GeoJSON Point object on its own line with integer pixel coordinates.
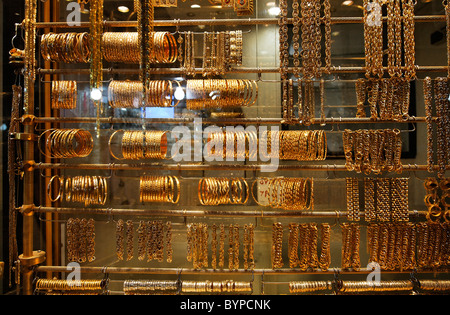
{"type": "Point", "coordinates": [373, 150]}
{"type": "Point", "coordinates": [309, 286]}
{"type": "Point", "coordinates": [66, 47]}
{"type": "Point", "coordinates": [435, 285]}
{"type": "Point", "coordinates": [353, 286]}
{"type": "Point", "coordinates": [90, 190]}
{"type": "Point", "coordinates": [300, 145]}
{"type": "Point", "coordinates": [124, 47]}
{"type": "Point", "coordinates": [244, 144]}
{"type": "Point", "coordinates": [159, 189]}
{"type": "Point", "coordinates": [165, 48]}
{"type": "Point", "coordinates": [64, 94]}
{"type": "Point", "coordinates": [129, 94]}
{"type": "Point", "coordinates": [227, 286]}
{"type": "Point", "coordinates": [125, 94]}
{"type": "Point", "coordinates": [285, 193]}
{"type": "Point", "coordinates": [67, 143]}
{"type": "Point", "coordinates": [161, 93]}
{"type": "Point", "coordinates": [137, 145]}
{"type": "Point", "coordinates": [216, 191]}
{"type": "Point", "coordinates": [221, 93]}
{"type": "Point", "coordinates": [121, 47]}
{"type": "Point", "coordinates": [370, 286]}
{"type": "Point", "coordinates": [70, 285]}
{"type": "Point", "coordinates": [147, 287]}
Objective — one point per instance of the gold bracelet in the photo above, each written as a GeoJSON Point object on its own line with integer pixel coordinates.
{"type": "Point", "coordinates": [277, 243]}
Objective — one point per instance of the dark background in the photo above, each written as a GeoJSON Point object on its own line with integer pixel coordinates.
{"type": "Point", "coordinates": [13, 12]}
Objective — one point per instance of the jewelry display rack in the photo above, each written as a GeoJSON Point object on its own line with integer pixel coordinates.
{"type": "Point", "coordinates": [36, 171]}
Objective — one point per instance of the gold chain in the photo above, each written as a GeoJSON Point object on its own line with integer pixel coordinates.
{"type": "Point", "coordinates": [428, 100]}
{"type": "Point", "coordinates": [284, 44]}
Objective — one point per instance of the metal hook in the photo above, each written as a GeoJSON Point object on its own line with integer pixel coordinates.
{"type": "Point", "coordinates": [338, 126]}
{"type": "Point", "coordinates": [262, 282]}
{"type": "Point", "coordinates": [111, 171]}
{"type": "Point", "coordinates": [22, 33]}
{"type": "Point", "coordinates": [413, 171]}
{"type": "Point", "coordinates": [414, 280]}
{"type": "Point", "coordinates": [41, 171]}
{"type": "Point", "coordinates": [179, 170]}
{"type": "Point", "coordinates": [337, 78]}
{"type": "Point", "coordinates": [14, 37]}
{"type": "Point", "coordinates": [332, 124]}
{"type": "Point", "coordinates": [416, 168]}
{"type": "Point", "coordinates": [337, 219]}
{"type": "Point", "coordinates": [110, 215]}
{"type": "Point", "coordinates": [333, 79]}
{"type": "Point", "coordinates": [105, 280]}
{"type": "Point", "coordinates": [179, 282]}
{"type": "Point", "coordinates": [177, 22]}
{"type": "Point", "coordinates": [337, 283]}
{"type": "Point", "coordinates": [413, 130]}
{"type": "Point", "coordinates": [253, 276]}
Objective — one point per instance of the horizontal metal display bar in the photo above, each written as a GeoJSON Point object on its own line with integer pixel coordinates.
{"type": "Point", "coordinates": [209, 213]}
{"type": "Point", "coordinates": [172, 71]}
{"type": "Point", "coordinates": [221, 121]}
{"type": "Point", "coordinates": [204, 167]}
{"type": "Point", "coordinates": [187, 271]}
{"type": "Point", "coordinates": [167, 23]}
{"type": "Point", "coordinates": [226, 22]}
{"type": "Point", "coordinates": [177, 71]}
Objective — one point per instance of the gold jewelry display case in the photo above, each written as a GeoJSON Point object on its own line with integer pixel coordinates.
{"type": "Point", "coordinates": [232, 147]}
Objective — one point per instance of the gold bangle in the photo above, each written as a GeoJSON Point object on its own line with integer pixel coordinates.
{"type": "Point", "coordinates": [60, 190]}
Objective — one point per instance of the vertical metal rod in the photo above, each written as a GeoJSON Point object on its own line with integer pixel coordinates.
{"type": "Point", "coordinates": [28, 147]}
{"type": "Point", "coordinates": [56, 226]}
{"type": "Point", "coordinates": [28, 194]}
{"type": "Point", "coordinates": [47, 113]}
